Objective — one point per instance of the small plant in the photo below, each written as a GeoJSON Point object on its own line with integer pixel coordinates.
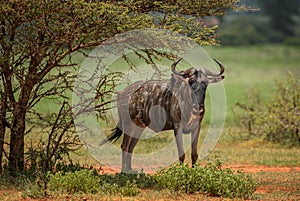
{"type": "Point", "coordinates": [69, 166]}
{"type": "Point", "coordinates": [84, 181]}
{"type": "Point", "coordinates": [247, 118]}
{"type": "Point", "coordinates": [33, 191]}
{"type": "Point", "coordinates": [88, 181]}
{"type": "Point", "coordinates": [141, 180]}
{"type": "Point", "coordinates": [125, 184]}
{"type": "Point", "coordinates": [130, 189]}
{"type": "Point", "coordinates": [109, 189]}
{"type": "Point", "coordinates": [211, 180]}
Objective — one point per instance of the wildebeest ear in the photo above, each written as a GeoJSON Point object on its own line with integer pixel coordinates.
{"type": "Point", "coordinates": [215, 79]}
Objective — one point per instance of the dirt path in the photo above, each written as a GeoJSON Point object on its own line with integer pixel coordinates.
{"type": "Point", "coordinates": [247, 168]}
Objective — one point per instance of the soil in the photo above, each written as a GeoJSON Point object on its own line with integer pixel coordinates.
{"type": "Point", "coordinates": [247, 168]}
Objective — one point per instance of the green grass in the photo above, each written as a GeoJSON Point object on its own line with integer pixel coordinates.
{"type": "Point", "coordinates": [255, 152]}
{"type": "Point", "coordinates": [254, 66]}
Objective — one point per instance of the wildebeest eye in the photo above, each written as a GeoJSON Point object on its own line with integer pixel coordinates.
{"type": "Point", "coordinates": [194, 84]}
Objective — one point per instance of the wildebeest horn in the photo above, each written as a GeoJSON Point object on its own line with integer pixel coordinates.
{"type": "Point", "coordinates": [222, 69]}
{"type": "Point", "coordinates": [174, 66]}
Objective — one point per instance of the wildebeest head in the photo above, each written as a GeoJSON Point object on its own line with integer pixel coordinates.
{"type": "Point", "coordinates": [198, 81]}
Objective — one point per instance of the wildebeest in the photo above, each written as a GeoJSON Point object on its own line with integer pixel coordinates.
{"type": "Point", "coordinates": [176, 104]}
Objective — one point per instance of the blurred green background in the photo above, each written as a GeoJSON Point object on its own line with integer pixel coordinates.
{"type": "Point", "coordinates": [267, 21]}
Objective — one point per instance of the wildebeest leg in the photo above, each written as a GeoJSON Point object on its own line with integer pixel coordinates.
{"type": "Point", "coordinates": [128, 144]}
{"type": "Point", "coordinates": [195, 136]}
{"type": "Point", "coordinates": [178, 137]}
{"type": "Point", "coordinates": [124, 145]}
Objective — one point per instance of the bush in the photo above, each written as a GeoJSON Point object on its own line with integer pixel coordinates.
{"type": "Point", "coordinates": [125, 184]}
{"type": "Point", "coordinates": [130, 189]}
{"type": "Point", "coordinates": [281, 117]}
{"type": "Point", "coordinates": [83, 181]}
{"type": "Point", "coordinates": [211, 180]}
{"type": "Point", "coordinates": [247, 118]}
{"type": "Point", "coordinates": [88, 181]}
{"type": "Point", "coordinates": [141, 180]}
{"type": "Point", "coordinates": [277, 120]}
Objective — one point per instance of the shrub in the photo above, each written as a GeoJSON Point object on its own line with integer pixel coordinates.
{"type": "Point", "coordinates": [141, 180]}
{"type": "Point", "coordinates": [83, 181]}
{"type": "Point", "coordinates": [247, 118]}
{"type": "Point", "coordinates": [281, 117]}
{"type": "Point", "coordinates": [69, 166]}
{"type": "Point", "coordinates": [211, 180]}
{"type": "Point", "coordinates": [88, 181]}
{"type": "Point", "coordinates": [125, 184]}
{"type": "Point", "coordinates": [130, 189]}
{"type": "Point", "coordinates": [277, 120]}
{"type": "Point", "coordinates": [109, 189]}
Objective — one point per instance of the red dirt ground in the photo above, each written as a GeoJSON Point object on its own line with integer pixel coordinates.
{"type": "Point", "coordinates": [247, 168]}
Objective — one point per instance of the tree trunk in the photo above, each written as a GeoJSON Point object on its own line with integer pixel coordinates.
{"type": "Point", "coordinates": [16, 151]}
{"type": "Point", "coordinates": [18, 126]}
{"type": "Point", "coordinates": [3, 109]}
{"type": "Point", "coordinates": [2, 135]}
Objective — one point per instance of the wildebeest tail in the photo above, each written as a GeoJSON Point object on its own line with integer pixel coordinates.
{"type": "Point", "coordinates": [116, 134]}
